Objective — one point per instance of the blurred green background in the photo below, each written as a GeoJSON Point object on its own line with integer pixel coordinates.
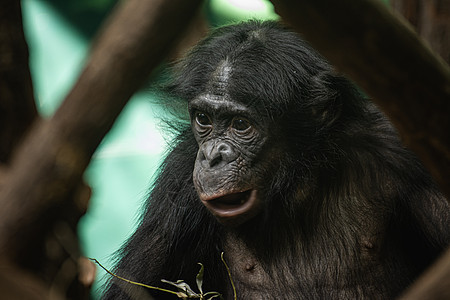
{"type": "Point", "coordinates": [59, 34]}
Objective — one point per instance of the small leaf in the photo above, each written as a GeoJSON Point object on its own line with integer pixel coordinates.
{"type": "Point", "coordinates": [199, 278]}
{"type": "Point", "coordinates": [183, 287]}
{"type": "Point", "coordinates": [182, 295]}
{"type": "Point", "coordinates": [213, 295]}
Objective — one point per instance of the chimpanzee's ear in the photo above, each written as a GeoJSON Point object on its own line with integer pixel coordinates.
{"type": "Point", "coordinates": [331, 93]}
{"type": "Point", "coordinates": [324, 99]}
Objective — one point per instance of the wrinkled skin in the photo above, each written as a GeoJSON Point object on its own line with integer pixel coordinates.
{"type": "Point", "coordinates": [231, 162]}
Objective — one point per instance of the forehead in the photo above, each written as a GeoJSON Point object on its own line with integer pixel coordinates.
{"type": "Point", "coordinates": [213, 103]}
{"type": "Point", "coordinates": [217, 96]}
{"type": "Point", "coordinates": [219, 83]}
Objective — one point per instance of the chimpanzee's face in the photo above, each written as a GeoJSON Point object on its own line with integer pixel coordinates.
{"type": "Point", "coordinates": [234, 157]}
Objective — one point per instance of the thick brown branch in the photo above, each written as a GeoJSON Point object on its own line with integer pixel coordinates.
{"type": "Point", "coordinates": [434, 284]}
{"type": "Point", "coordinates": [383, 55]}
{"type": "Point", "coordinates": [16, 284]}
{"type": "Point", "coordinates": [50, 163]}
{"type": "Point", "coordinates": [17, 108]}
{"type": "Point", "coordinates": [431, 19]}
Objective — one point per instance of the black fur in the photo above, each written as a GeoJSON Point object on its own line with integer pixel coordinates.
{"type": "Point", "coordinates": [352, 214]}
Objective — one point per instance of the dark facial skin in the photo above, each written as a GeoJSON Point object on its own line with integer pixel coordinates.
{"type": "Point", "coordinates": [229, 169]}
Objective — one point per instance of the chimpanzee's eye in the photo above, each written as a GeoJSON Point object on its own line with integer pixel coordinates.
{"type": "Point", "coordinates": [202, 119]}
{"type": "Point", "coordinates": [240, 124]}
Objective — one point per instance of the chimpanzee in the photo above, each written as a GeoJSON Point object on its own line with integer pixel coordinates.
{"type": "Point", "coordinates": [290, 171]}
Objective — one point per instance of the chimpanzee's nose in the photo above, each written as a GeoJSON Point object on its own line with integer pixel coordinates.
{"type": "Point", "coordinates": [216, 154]}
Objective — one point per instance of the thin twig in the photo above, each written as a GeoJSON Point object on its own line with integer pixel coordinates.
{"type": "Point", "coordinates": [133, 282]}
{"type": "Point", "coordinates": [229, 275]}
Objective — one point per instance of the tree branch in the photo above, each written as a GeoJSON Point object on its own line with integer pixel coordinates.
{"type": "Point", "coordinates": [48, 166]}
{"type": "Point", "coordinates": [434, 283]}
{"type": "Point", "coordinates": [431, 20]}
{"type": "Point", "coordinates": [17, 107]}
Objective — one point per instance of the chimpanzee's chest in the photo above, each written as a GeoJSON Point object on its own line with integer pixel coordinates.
{"type": "Point", "coordinates": [251, 280]}
{"type": "Point", "coordinates": [324, 276]}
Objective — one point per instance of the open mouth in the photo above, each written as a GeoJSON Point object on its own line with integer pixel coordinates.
{"type": "Point", "coordinates": [230, 201]}
{"type": "Point", "coordinates": [231, 205]}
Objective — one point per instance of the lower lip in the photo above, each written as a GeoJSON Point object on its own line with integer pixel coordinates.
{"type": "Point", "coordinates": [223, 210]}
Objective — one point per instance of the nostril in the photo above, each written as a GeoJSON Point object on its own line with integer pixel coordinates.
{"type": "Point", "coordinates": [201, 158]}
{"type": "Point", "coordinates": [223, 147]}
{"type": "Point", "coordinates": [226, 151]}
{"type": "Point", "coordinates": [218, 155]}
{"type": "Point", "coordinates": [215, 161]}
